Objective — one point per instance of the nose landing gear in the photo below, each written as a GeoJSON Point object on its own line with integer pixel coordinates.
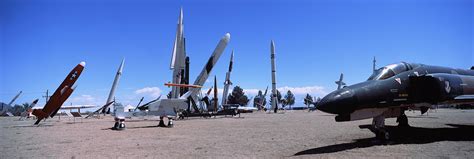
{"type": "Point", "coordinates": [378, 128]}
{"type": "Point", "coordinates": [119, 124]}
{"type": "Point", "coordinates": [162, 122]}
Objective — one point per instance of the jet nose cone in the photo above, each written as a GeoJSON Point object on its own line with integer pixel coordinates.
{"type": "Point", "coordinates": [338, 102]}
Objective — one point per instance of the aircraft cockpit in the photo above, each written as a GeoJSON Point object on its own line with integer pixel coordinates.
{"type": "Point", "coordinates": [390, 71]}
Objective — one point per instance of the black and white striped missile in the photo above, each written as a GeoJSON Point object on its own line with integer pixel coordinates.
{"type": "Point", "coordinates": [201, 79]}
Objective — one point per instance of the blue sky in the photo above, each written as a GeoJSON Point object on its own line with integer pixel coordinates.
{"type": "Point", "coordinates": [316, 40]}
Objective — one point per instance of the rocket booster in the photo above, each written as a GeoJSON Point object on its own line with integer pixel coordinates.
{"type": "Point", "coordinates": [274, 90]}
{"type": "Point", "coordinates": [227, 82]}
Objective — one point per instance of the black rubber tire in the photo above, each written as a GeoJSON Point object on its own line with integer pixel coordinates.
{"type": "Point", "coordinates": [116, 126]}
{"type": "Point", "coordinates": [403, 121]}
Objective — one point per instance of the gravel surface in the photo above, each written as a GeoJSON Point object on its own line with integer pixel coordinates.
{"type": "Point", "coordinates": [443, 133]}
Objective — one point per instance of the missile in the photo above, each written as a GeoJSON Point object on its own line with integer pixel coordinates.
{"type": "Point", "coordinates": [227, 82]}
{"type": "Point", "coordinates": [274, 90]}
{"type": "Point", "coordinates": [215, 94]}
{"type": "Point", "coordinates": [14, 98]}
{"type": "Point", "coordinates": [4, 108]}
{"type": "Point", "coordinates": [373, 64]}
{"type": "Point", "coordinates": [209, 65]}
{"type": "Point", "coordinates": [340, 83]}
{"type": "Point", "coordinates": [178, 56]}
{"type": "Point", "coordinates": [114, 86]}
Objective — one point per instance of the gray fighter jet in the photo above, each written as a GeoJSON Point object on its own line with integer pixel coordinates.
{"type": "Point", "coordinates": [392, 89]}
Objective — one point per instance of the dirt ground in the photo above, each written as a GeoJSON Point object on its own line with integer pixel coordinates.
{"type": "Point", "coordinates": [443, 133]}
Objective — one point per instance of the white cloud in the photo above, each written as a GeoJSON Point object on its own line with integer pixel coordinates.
{"type": "Point", "coordinates": [312, 90]}
{"type": "Point", "coordinates": [81, 99]}
{"type": "Point", "coordinates": [153, 92]}
{"type": "Point", "coordinates": [252, 92]}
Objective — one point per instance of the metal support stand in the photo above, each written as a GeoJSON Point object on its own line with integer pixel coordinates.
{"type": "Point", "coordinates": [378, 127]}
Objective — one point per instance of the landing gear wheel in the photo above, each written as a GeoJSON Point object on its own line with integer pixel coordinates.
{"type": "Point", "coordinates": [403, 121]}
{"type": "Point", "coordinates": [116, 125]}
{"type": "Point", "coordinates": [162, 123]}
{"type": "Point", "coordinates": [119, 125]}
{"type": "Point", "coordinates": [170, 123]}
{"type": "Point", "coordinates": [382, 135]}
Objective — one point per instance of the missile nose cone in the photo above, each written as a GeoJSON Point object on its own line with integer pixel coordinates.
{"type": "Point", "coordinates": [338, 102]}
{"type": "Point", "coordinates": [83, 64]}
{"type": "Point", "coordinates": [227, 36]}
{"type": "Point", "coordinates": [180, 18]}
{"type": "Point", "coordinates": [272, 47]}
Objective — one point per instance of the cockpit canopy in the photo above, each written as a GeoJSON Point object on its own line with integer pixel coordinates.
{"type": "Point", "coordinates": [390, 71]}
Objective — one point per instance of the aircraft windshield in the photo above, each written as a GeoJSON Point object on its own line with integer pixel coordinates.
{"type": "Point", "coordinates": [388, 71]}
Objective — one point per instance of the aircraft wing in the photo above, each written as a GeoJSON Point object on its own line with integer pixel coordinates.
{"type": "Point", "coordinates": [98, 110]}
{"type": "Point", "coordinates": [145, 106]}
{"type": "Point", "coordinates": [77, 106]}
{"type": "Point", "coordinates": [465, 98]}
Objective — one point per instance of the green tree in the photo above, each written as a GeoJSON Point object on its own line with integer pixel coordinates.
{"type": "Point", "coordinates": [308, 100]}
{"type": "Point", "coordinates": [289, 98]}
{"type": "Point", "coordinates": [259, 100]}
{"type": "Point", "coordinates": [238, 97]}
{"type": "Point", "coordinates": [26, 105]}
{"type": "Point", "coordinates": [17, 109]}
{"type": "Point", "coordinates": [278, 98]}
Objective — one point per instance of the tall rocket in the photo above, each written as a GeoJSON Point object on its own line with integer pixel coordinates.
{"type": "Point", "coordinates": [178, 57]}
{"type": "Point", "coordinates": [114, 85]}
{"type": "Point", "coordinates": [215, 94]}
{"type": "Point", "coordinates": [274, 90]}
{"type": "Point", "coordinates": [227, 81]}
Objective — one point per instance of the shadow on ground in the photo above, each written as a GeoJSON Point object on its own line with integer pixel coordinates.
{"type": "Point", "coordinates": [411, 135]}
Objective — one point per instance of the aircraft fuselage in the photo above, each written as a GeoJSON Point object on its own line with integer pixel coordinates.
{"type": "Point", "coordinates": [397, 87]}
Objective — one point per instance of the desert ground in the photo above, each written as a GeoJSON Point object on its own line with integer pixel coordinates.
{"type": "Point", "coordinates": [443, 133]}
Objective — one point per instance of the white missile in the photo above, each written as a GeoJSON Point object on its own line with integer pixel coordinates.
{"type": "Point", "coordinates": [14, 98]}
{"type": "Point", "coordinates": [114, 85]}
{"type": "Point", "coordinates": [4, 108]}
{"type": "Point", "coordinates": [227, 82]}
{"type": "Point", "coordinates": [274, 90]}
{"type": "Point", "coordinates": [178, 56]}
{"type": "Point", "coordinates": [209, 65]}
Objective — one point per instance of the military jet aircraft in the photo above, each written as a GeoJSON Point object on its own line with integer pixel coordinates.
{"type": "Point", "coordinates": [392, 89]}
